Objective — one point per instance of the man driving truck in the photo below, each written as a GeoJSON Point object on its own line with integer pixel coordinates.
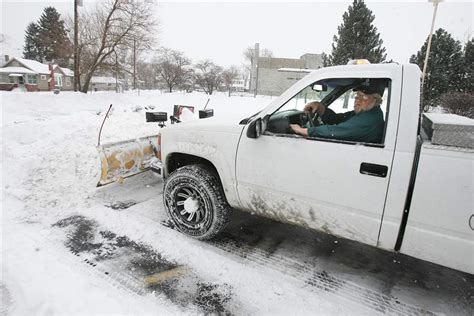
{"type": "Point", "coordinates": [364, 124]}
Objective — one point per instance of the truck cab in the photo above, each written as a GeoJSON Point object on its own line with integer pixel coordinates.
{"type": "Point", "coordinates": [335, 185]}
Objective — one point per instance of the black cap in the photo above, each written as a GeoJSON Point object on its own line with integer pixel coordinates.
{"type": "Point", "coordinates": [371, 86]}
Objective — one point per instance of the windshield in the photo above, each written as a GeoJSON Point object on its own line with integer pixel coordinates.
{"type": "Point", "coordinates": [305, 96]}
{"type": "Point", "coordinates": [335, 93]}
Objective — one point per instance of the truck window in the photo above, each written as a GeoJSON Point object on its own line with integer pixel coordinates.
{"type": "Point", "coordinates": [355, 111]}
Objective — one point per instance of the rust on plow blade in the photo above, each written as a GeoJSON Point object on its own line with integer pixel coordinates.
{"type": "Point", "coordinates": [126, 158]}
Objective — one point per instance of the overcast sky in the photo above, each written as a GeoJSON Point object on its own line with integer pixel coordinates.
{"type": "Point", "coordinates": [222, 30]}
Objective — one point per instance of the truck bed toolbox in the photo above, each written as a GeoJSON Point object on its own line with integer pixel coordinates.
{"type": "Point", "coordinates": [449, 129]}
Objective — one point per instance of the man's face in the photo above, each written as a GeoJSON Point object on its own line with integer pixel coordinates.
{"type": "Point", "coordinates": [363, 102]}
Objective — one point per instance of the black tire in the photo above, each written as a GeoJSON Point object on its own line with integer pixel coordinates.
{"type": "Point", "coordinates": [195, 202]}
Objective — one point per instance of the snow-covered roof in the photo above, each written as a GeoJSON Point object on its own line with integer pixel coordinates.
{"type": "Point", "coordinates": [98, 79]}
{"type": "Point", "coordinates": [295, 70]}
{"type": "Point", "coordinates": [449, 119]}
{"type": "Point", "coordinates": [21, 70]}
{"type": "Point", "coordinates": [67, 71]}
{"type": "Point", "coordinates": [37, 67]}
{"type": "Point", "coordinates": [33, 65]}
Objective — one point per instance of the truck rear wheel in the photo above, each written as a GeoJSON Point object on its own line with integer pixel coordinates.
{"type": "Point", "coordinates": [195, 202]}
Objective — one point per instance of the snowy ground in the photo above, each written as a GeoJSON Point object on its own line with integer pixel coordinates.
{"type": "Point", "coordinates": [71, 248]}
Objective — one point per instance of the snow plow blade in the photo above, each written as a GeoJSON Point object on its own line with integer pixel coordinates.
{"type": "Point", "coordinates": [126, 158]}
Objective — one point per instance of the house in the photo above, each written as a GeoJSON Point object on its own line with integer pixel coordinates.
{"type": "Point", "coordinates": [238, 85]}
{"type": "Point", "coordinates": [25, 73]}
{"type": "Point", "coordinates": [103, 83]}
{"type": "Point", "coordinates": [32, 75]}
{"type": "Point", "coordinates": [63, 78]}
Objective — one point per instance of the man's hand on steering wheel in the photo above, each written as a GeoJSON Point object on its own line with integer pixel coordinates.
{"type": "Point", "coordinates": [313, 111]}
{"type": "Point", "coordinates": [299, 130]}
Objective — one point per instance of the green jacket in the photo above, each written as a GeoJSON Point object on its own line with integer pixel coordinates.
{"type": "Point", "coordinates": [363, 127]}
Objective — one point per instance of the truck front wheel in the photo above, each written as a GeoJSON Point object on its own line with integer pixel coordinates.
{"type": "Point", "coordinates": [195, 202]}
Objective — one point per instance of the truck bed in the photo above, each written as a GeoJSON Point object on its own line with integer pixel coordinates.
{"type": "Point", "coordinates": [440, 226]}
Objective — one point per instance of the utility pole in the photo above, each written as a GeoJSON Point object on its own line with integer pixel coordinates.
{"type": "Point", "coordinates": [425, 66]}
{"type": "Point", "coordinates": [116, 73]}
{"type": "Point", "coordinates": [76, 40]}
{"type": "Point", "coordinates": [134, 63]}
{"type": "Point", "coordinates": [257, 55]}
{"type": "Point", "coordinates": [256, 82]}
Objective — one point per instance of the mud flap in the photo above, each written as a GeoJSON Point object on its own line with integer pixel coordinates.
{"type": "Point", "coordinates": [126, 158]}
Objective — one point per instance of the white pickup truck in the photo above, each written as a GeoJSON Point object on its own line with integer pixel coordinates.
{"type": "Point", "coordinates": [405, 193]}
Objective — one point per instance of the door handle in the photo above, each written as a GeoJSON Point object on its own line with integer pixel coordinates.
{"type": "Point", "coordinates": [375, 170]}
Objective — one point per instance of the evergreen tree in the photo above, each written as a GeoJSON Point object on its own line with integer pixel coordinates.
{"type": "Point", "coordinates": [468, 82]}
{"type": "Point", "coordinates": [32, 47]}
{"type": "Point", "coordinates": [55, 44]}
{"type": "Point", "coordinates": [446, 70]}
{"type": "Point", "coordinates": [357, 38]}
{"type": "Point", "coordinates": [325, 59]}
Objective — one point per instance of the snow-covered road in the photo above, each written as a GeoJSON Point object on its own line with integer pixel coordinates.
{"type": "Point", "coordinates": [71, 248]}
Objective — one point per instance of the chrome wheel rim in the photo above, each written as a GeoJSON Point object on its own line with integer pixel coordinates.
{"type": "Point", "coordinates": [190, 206]}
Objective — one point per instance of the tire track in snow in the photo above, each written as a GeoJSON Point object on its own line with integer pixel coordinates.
{"type": "Point", "coordinates": [321, 280]}
{"type": "Point", "coordinates": [140, 270]}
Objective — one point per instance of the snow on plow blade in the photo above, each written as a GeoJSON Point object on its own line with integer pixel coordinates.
{"type": "Point", "coordinates": [126, 158]}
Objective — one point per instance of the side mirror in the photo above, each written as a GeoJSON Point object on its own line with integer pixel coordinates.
{"type": "Point", "coordinates": [255, 129]}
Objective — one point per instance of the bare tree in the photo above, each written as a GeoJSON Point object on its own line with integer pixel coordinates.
{"type": "Point", "coordinates": [147, 75]}
{"type": "Point", "coordinates": [249, 54]}
{"type": "Point", "coordinates": [131, 55]}
{"type": "Point", "coordinates": [208, 75]}
{"type": "Point", "coordinates": [266, 53]}
{"type": "Point", "coordinates": [245, 73]}
{"type": "Point", "coordinates": [228, 77]}
{"type": "Point", "coordinates": [171, 67]}
{"type": "Point", "coordinates": [112, 25]}
{"type": "Point", "coordinates": [188, 80]}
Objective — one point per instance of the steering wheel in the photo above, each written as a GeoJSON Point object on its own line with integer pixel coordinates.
{"type": "Point", "coordinates": [313, 119]}
{"type": "Point", "coordinates": [280, 122]}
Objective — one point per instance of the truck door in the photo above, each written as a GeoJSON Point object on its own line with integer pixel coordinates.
{"type": "Point", "coordinates": [335, 186]}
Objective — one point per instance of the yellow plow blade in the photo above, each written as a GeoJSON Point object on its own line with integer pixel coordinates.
{"type": "Point", "coordinates": [126, 158]}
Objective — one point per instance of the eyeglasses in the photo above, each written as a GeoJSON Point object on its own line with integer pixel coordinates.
{"type": "Point", "coordinates": [361, 96]}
